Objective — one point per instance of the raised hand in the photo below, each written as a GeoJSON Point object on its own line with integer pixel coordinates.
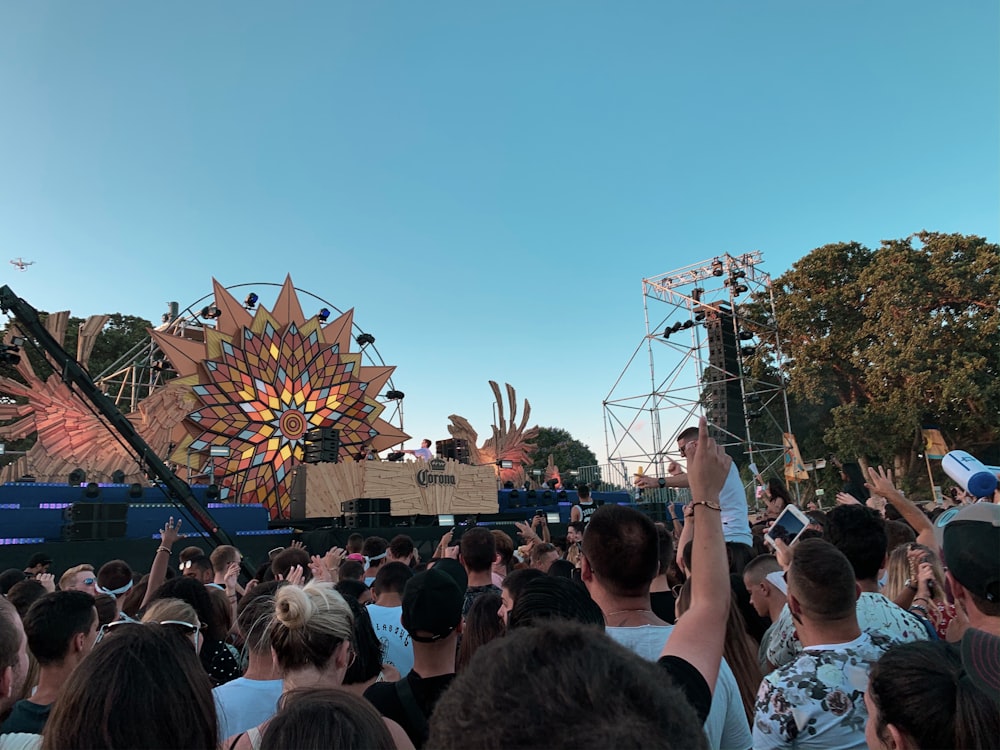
{"type": "Point", "coordinates": [232, 574]}
{"type": "Point", "coordinates": [708, 466]}
{"type": "Point", "coordinates": [318, 568]}
{"type": "Point", "coordinates": [47, 580]}
{"type": "Point", "coordinates": [295, 575]}
{"type": "Point", "coordinates": [845, 498]}
{"type": "Point", "coordinates": [171, 532]}
{"type": "Point", "coordinates": [880, 482]}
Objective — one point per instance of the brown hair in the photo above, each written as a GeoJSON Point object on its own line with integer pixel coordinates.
{"type": "Point", "coordinates": [142, 686]}
{"type": "Point", "coordinates": [739, 651]}
{"type": "Point", "coordinates": [321, 718]}
{"type": "Point", "coordinates": [622, 547]}
{"type": "Point", "coordinates": [572, 667]}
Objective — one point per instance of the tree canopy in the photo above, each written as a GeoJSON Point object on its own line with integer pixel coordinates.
{"type": "Point", "coordinates": [893, 339]}
{"type": "Point", "coordinates": [567, 453]}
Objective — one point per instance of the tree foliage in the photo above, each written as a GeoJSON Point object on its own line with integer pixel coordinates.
{"type": "Point", "coordinates": [895, 338]}
{"type": "Point", "coordinates": [567, 453]}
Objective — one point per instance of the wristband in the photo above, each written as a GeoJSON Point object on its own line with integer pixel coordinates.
{"type": "Point", "coordinates": [710, 506]}
{"type": "Point", "coordinates": [161, 548]}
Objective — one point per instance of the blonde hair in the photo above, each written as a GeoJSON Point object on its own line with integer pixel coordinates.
{"type": "Point", "coordinates": [67, 578]}
{"type": "Point", "coordinates": [898, 572]}
{"type": "Point", "coordinates": [309, 624]}
{"type": "Point", "coordinates": [170, 609]}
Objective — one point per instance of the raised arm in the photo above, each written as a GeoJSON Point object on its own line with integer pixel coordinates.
{"type": "Point", "coordinates": [880, 483]}
{"type": "Point", "coordinates": [699, 635]}
{"type": "Point", "coordinates": [169, 534]}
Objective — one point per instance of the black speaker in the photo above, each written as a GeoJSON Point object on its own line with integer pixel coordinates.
{"type": "Point", "coordinates": [367, 520]}
{"type": "Point", "coordinates": [95, 521]}
{"type": "Point", "coordinates": [722, 397]}
{"type": "Point", "coordinates": [366, 505]}
{"type": "Point", "coordinates": [453, 448]}
{"type": "Point", "coordinates": [322, 445]}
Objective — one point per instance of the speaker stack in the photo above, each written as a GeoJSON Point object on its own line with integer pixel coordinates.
{"type": "Point", "coordinates": [366, 513]}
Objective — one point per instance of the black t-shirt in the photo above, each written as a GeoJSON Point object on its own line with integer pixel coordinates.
{"type": "Point", "coordinates": [426, 691]}
{"type": "Point", "coordinates": [26, 717]}
{"type": "Point", "coordinates": [689, 679]}
{"type": "Point", "coordinates": [662, 603]}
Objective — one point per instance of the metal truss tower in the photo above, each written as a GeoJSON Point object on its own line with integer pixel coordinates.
{"type": "Point", "coordinates": [712, 347]}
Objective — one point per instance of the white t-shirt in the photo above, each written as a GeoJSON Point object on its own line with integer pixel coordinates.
{"type": "Point", "coordinates": [726, 726]}
{"type": "Point", "coordinates": [242, 704]}
{"type": "Point", "coordinates": [735, 513]}
{"type": "Point", "coordinates": [396, 645]}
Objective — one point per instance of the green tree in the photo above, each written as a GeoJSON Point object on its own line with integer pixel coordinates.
{"type": "Point", "coordinates": [893, 338]}
{"type": "Point", "coordinates": [567, 453]}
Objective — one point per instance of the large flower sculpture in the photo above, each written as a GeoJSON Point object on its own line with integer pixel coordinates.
{"type": "Point", "coordinates": [262, 382]}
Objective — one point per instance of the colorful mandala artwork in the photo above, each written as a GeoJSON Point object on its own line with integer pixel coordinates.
{"type": "Point", "coordinates": [262, 381]}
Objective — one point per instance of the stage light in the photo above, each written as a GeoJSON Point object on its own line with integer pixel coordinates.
{"type": "Point", "coordinates": [505, 464]}
{"type": "Point", "coordinates": [323, 315]}
{"type": "Point", "coordinates": [251, 301]}
{"type": "Point", "coordinates": [77, 476]}
{"type": "Point", "coordinates": [364, 338]}
{"type": "Point", "coordinates": [212, 492]}
{"type": "Point", "coordinates": [118, 476]}
{"type": "Point", "coordinates": [717, 267]}
{"type": "Point", "coordinates": [446, 519]}
{"type": "Point", "coordinates": [210, 312]}
{"type": "Point", "coordinates": [696, 293]}
{"type": "Point", "coordinates": [93, 490]}
{"type": "Point", "coordinates": [740, 274]}
{"type": "Point", "coordinates": [740, 289]}
{"type": "Point", "coordinates": [748, 351]}
{"type": "Point", "coordinates": [394, 395]}
{"type": "Point", "coordinates": [135, 491]}
{"type": "Point", "coordinates": [688, 324]}
{"type": "Point", "coordinates": [746, 335]}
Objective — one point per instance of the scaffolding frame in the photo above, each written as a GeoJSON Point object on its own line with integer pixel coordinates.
{"type": "Point", "coordinates": [641, 428]}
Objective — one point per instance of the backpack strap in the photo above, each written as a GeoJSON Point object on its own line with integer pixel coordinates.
{"type": "Point", "coordinates": [414, 716]}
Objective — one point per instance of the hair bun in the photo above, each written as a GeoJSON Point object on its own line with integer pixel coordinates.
{"type": "Point", "coordinates": [293, 607]}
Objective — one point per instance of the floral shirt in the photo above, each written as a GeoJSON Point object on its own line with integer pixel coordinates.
{"type": "Point", "coordinates": [876, 614]}
{"type": "Point", "coordinates": [817, 700]}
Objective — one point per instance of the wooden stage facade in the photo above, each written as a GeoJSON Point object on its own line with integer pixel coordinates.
{"type": "Point", "coordinates": [413, 488]}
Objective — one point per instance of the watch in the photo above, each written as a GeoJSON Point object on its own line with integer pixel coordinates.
{"type": "Point", "coordinates": [662, 482]}
{"type": "Point", "coordinates": [909, 584]}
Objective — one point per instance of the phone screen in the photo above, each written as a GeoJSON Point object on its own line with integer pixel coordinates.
{"type": "Point", "coordinates": [788, 526]}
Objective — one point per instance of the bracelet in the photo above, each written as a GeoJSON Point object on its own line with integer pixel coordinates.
{"type": "Point", "coordinates": [918, 608]}
{"type": "Point", "coordinates": [161, 548]}
{"type": "Point", "coordinates": [706, 503]}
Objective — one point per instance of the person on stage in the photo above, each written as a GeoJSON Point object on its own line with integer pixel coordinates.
{"type": "Point", "coordinates": [735, 516]}
{"type": "Point", "coordinates": [423, 453]}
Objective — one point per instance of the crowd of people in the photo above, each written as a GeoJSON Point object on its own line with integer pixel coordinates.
{"type": "Point", "coordinates": [877, 627]}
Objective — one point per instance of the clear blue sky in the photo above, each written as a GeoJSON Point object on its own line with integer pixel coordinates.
{"type": "Point", "coordinates": [485, 183]}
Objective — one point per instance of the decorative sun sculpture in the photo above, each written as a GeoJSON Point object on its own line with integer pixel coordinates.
{"type": "Point", "coordinates": [261, 381]}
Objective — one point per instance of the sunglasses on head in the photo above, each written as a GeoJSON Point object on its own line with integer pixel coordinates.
{"type": "Point", "coordinates": [186, 628]}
